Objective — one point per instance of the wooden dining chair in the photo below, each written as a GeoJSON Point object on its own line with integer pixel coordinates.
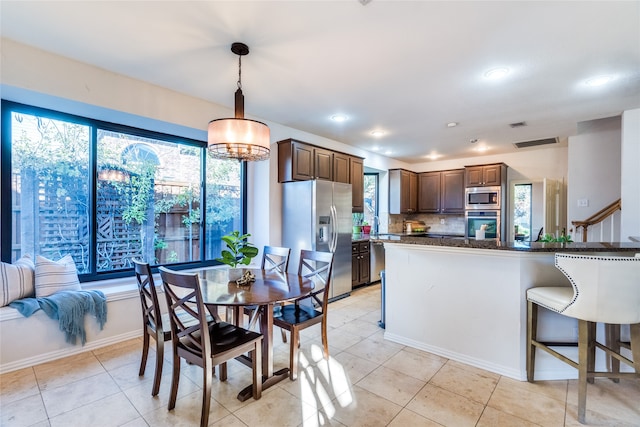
{"type": "Point", "coordinates": [153, 325]}
{"type": "Point", "coordinates": [311, 309]}
{"type": "Point", "coordinates": [274, 258]}
{"type": "Point", "coordinates": [204, 344]}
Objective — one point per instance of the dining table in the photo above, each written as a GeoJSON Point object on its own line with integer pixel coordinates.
{"type": "Point", "coordinates": [269, 288]}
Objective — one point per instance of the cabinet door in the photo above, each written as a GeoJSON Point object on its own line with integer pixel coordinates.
{"type": "Point", "coordinates": [429, 192]}
{"type": "Point", "coordinates": [302, 157]}
{"type": "Point", "coordinates": [452, 191]}
{"type": "Point", "coordinates": [357, 184]}
{"type": "Point", "coordinates": [341, 168]}
{"type": "Point", "coordinates": [323, 164]}
{"type": "Point", "coordinates": [413, 192]}
{"type": "Point", "coordinates": [474, 176]}
{"type": "Point", "coordinates": [491, 175]}
{"type": "Point", "coordinates": [364, 268]}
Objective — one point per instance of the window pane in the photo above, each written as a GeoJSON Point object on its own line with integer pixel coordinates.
{"type": "Point", "coordinates": [148, 201]}
{"type": "Point", "coordinates": [49, 181]}
{"type": "Point", "coordinates": [522, 212]}
{"type": "Point", "coordinates": [370, 198]}
{"type": "Point", "coordinates": [223, 202]}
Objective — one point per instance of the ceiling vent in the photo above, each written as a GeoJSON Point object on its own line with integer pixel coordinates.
{"type": "Point", "coordinates": [517, 124]}
{"type": "Point", "coordinates": [535, 143]}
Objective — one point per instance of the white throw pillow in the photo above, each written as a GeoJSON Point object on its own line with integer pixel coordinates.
{"type": "Point", "coordinates": [55, 276]}
{"type": "Point", "coordinates": [16, 280]}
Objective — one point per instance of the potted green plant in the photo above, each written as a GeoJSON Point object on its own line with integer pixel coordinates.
{"type": "Point", "coordinates": [239, 251]}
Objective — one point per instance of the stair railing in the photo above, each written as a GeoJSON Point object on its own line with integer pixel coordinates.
{"type": "Point", "coordinates": [596, 218]}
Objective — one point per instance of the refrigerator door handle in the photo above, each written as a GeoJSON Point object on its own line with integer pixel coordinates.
{"type": "Point", "coordinates": [334, 229]}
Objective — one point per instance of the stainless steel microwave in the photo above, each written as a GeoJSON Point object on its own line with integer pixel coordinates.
{"type": "Point", "coordinates": [482, 198]}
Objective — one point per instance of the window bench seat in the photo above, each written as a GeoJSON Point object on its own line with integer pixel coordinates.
{"type": "Point", "coordinates": [28, 341]}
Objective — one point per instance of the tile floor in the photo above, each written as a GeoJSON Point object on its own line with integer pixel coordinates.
{"type": "Point", "coordinates": [367, 382]}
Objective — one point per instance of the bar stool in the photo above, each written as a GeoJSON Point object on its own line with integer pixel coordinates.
{"type": "Point", "coordinates": [603, 289]}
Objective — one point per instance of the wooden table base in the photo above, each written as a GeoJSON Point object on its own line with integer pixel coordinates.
{"type": "Point", "coordinates": [278, 376]}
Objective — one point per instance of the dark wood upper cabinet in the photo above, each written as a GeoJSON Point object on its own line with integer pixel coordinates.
{"type": "Point", "coordinates": [441, 192]}
{"type": "Point", "coordinates": [323, 164]}
{"type": "Point", "coordinates": [429, 192]}
{"type": "Point", "coordinates": [485, 175]}
{"type": "Point", "coordinates": [299, 161]}
{"type": "Point", "coordinates": [356, 167]}
{"type": "Point", "coordinates": [452, 191]}
{"type": "Point", "coordinates": [341, 168]}
{"type": "Point", "coordinates": [403, 191]}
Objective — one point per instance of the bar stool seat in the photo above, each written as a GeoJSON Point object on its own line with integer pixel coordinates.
{"type": "Point", "coordinates": [603, 289]}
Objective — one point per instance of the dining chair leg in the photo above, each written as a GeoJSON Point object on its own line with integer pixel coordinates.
{"type": "Point", "coordinates": [635, 345]}
{"type": "Point", "coordinates": [325, 339]}
{"type": "Point", "coordinates": [532, 332]}
{"type": "Point", "coordinates": [206, 393]}
{"type": "Point", "coordinates": [591, 366]}
{"type": "Point", "coordinates": [584, 330]}
{"type": "Point", "coordinates": [174, 382]}
{"type": "Point", "coordinates": [284, 335]}
{"type": "Point", "coordinates": [612, 340]}
{"type": "Point", "coordinates": [157, 377]}
{"type": "Point", "coordinates": [223, 371]}
{"type": "Point", "coordinates": [294, 353]}
{"type": "Point", "coordinates": [145, 353]}
{"type": "Point", "coordinates": [256, 357]}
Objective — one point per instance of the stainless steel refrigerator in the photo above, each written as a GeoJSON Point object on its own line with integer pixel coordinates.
{"type": "Point", "coordinates": [317, 216]}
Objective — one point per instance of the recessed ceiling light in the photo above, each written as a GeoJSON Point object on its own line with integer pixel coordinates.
{"type": "Point", "coordinates": [452, 124]}
{"type": "Point", "coordinates": [482, 148]}
{"type": "Point", "coordinates": [388, 152]}
{"type": "Point", "coordinates": [377, 133]}
{"type": "Point", "coordinates": [473, 141]}
{"type": "Point", "coordinates": [375, 148]}
{"type": "Point", "coordinates": [598, 80]}
{"type": "Point", "coordinates": [433, 156]}
{"type": "Point", "coordinates": [339, 118]}
{"type": "Point", "coordinates": [496, 73]}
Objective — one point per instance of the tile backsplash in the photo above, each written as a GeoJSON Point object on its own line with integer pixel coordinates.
{"type": "Point", "coordinates": [452, 223]}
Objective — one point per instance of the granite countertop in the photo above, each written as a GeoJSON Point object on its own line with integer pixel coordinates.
{"type": "Point", "coordinates": [359, 238]}
{"type": "Point", "coordinates": [461, 242]}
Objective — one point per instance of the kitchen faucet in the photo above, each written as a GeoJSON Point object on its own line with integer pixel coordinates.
{"type": "Point", "coordinates": [376, 224]}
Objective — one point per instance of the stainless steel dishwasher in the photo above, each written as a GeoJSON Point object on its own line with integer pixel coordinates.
{"type": "Point", "coordinates": [377, 260]}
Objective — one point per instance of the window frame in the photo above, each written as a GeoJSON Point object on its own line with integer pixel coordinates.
{"type": "Point", "coordinates": [8, 107]}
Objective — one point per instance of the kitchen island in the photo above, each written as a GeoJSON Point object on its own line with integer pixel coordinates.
{"type": "Point", "coordinates": [465, 299]}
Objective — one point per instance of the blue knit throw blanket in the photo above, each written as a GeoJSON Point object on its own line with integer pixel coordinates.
{"type": "Point", "coordinates": [69, 308]}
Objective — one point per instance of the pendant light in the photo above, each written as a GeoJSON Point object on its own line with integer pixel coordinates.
{"type": "Point", "coordinates": [239, 138]}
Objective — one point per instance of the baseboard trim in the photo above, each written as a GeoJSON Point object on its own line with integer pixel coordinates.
{"type": "Point", "coordinates": [59, 354]}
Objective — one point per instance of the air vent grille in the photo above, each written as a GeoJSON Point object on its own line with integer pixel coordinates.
{"type": "Point", "coordinates": [535, 143]}
{"type": "Point", "coordinates": [517, 124]}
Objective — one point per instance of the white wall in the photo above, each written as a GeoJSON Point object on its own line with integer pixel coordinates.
{"type": "Point", "coordinates": [594, 167]}
{"type": "Point", "coordinates": [630, 171]}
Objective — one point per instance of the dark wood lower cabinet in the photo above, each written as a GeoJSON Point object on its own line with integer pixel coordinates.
{"type": "Point", "coordinates": [360, 264]}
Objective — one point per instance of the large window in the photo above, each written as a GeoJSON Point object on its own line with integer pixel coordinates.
{"type": "Point", "coordinates": [371, 200]}
{"type": "Point", "coordinates": [107, 193]}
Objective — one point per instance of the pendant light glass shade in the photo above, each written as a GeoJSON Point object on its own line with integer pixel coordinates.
{"type": "Point", "coordinates": [239, 138]}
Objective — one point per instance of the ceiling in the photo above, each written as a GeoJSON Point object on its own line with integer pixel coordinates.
{"type": "Point", "coordinates": [405, 67]}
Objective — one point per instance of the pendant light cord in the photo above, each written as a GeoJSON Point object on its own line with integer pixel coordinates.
{"type": "Point", "coordinates": [240, 72]}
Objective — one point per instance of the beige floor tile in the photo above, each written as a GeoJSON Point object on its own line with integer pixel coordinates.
{"type": "Point", "coordinates": [493, 418]}
{"type": "Point", "coordinates": [512, 398]}
{"type": "Point", "coordinates": [17, 385]}
{"type": "Point", "coordinates": [274, 408]}
{"type": "Point", "coordinates": [554, 389]}
{"type": "Point", "coordinates": [473, 369]}
{"type": "Point", "coordinates": [23, 412]}
{"type": "Point", "coordinates": [472, 385]}
{"type": "Point", "coordinates": [346, 369]}
{"type": "Point", "coordinates": [375, 350]}
{"type": "Point", "coordinates": [419, 365]}
{"type": "Point", "coordinates": [78, 393]}
{"type": "Point", "coordinates": [138, 422]}
{"type": "Point", "coordinates": [228, 421]}
{"type": "Point", "coordinates": [122, 355]}
{"type": "Point", "coordinates": [445, 407]}
{"type": "Point", "coordinates": [187, 412]}
{"type": "Point", "coordinates": [392, 385]}
{"type": "Point", "coordinates": [358, 328]}
{"type": "Point", "coordinates": [359, 407]}
{"type": "Point", "coordinates": [142, 400]}
{"type": "Point", "coordinates": [126, 376]}
{"type": "Point", "coordinates": [341, 340]}
{"type": "Point", "coordinates": [409, 418]}
{"type": "Point", "coordinates": [608, 401]}
{"type": "Point", "coordinates": [63, 371]}
{"type": "Point", "coordinates": [114, 410]}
